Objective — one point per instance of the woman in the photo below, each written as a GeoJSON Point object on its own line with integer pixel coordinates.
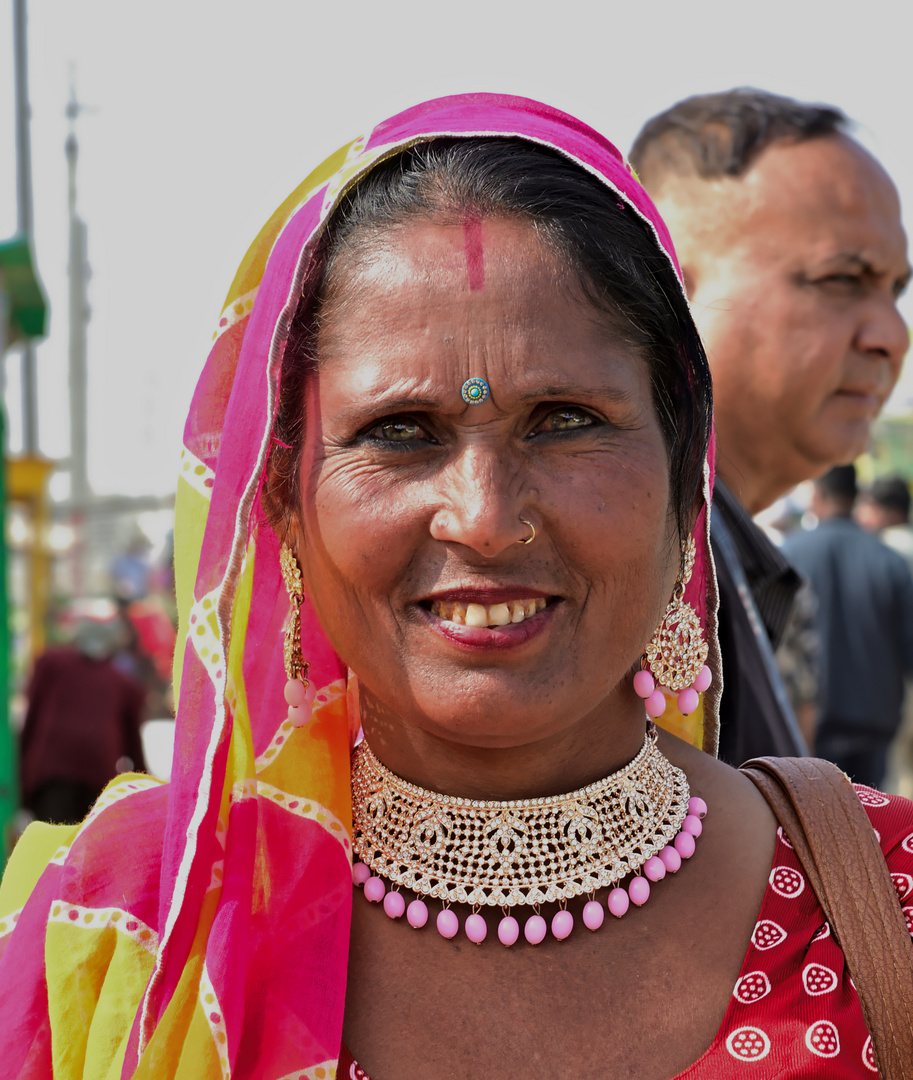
{"type": "Point", "coordinates": [456, 416]}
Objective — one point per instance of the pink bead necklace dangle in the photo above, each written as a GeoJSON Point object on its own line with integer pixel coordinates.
{"type": "Point", "coordinates": [503, 854]}
{"type": "Point", "coordinates": [299, 693]}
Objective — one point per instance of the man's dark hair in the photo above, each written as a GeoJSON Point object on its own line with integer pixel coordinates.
{"type": "Point", "coordinates": [610, 250]}
{"type": "Point", "coordinates": [714, 135]}
{"type": "Point", "coordinates": [892, 493]}
{"type": "Point", "coordinates": [839, 485]}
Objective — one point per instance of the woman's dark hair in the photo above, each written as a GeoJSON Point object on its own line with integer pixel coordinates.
{"type": "Point", "coordinates": [621, 268]}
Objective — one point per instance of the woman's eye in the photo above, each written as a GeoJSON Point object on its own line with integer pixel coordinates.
{"type": "Point", "coordinates": [397, 431]}
{"type": "Point", "coordinates": [566, 419]}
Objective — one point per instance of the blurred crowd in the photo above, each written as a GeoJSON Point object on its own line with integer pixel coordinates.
{"type": "Point", "coordinates": [846, 657]}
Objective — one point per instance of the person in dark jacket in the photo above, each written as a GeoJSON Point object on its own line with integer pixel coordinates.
{"type": "Point", "coordinates": [82, 726]}
{"type": "Point", "coordinates": [865, 619]}
{"type": "Point", "coordinates": [793, 254]}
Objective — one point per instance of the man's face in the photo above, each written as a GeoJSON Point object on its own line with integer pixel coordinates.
{"type": "Point", "coordinates": [794, 271]}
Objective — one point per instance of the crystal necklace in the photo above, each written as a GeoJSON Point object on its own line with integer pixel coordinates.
{"type": "Point", "coordinates": [637, 823]}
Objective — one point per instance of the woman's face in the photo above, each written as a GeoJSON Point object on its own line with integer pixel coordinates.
{"type": "Point", "coordinates": [411, 499]}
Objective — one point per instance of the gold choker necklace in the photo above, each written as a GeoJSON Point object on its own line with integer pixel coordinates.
{"type": "Point", "coordinates": [520, 851]}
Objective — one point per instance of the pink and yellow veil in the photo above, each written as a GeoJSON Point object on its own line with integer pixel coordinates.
{"type": "Point", "coordinates": [200, 928]}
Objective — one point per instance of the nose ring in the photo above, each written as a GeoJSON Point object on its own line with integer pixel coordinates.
{"type": "Point", "coordinates": [532, 537]}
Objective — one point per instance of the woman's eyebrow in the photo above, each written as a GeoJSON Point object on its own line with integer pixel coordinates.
{"type": "Point", "coordinates": [574, 391]}
{"type": "Point", "coordinates": [370, 403]}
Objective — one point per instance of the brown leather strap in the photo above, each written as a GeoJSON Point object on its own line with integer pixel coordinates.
{"type": "Point", "coordinates": [834, 840]}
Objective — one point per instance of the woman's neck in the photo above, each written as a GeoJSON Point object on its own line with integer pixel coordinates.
{"type": "Point", "coordinates": [579, 754]}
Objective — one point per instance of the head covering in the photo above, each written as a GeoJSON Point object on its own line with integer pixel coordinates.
{"type": "Point", "coordinates": [201, 928]}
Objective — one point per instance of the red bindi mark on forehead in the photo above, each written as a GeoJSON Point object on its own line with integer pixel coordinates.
{"type": "Point", "coordinates": [475, 255]}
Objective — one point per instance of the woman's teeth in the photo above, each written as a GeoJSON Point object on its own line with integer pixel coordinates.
{"type": "Point", "coordinates": [514, 611]}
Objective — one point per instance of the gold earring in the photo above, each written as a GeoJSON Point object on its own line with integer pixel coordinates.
{"type": "Point", "coordinates": [299, 694]}
{"type": "Point", "coordinates": [676, 654]}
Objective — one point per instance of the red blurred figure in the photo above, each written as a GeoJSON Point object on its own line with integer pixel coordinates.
{"type": "Point", "coordinates": [82, 725]}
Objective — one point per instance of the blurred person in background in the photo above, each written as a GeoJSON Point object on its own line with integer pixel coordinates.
{"type": "Point", "coordinates": [82, 724]}
{"type": "Point", "coordinates": [793, 254]}
{"type": "Point", "coordinates": [865, 620]}
{"type": "Point", "coordinates": [885, 509]}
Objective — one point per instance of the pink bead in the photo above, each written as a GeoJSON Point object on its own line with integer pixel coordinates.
{"type": "Point", "coordinates": [562, 924]}
{"type": "Point", "coordinates": [535, 929]}
{"type": "Point", "coordinates": [703, 680]}
{"type": "Point", "coordinates": [298, 717]}
{"type": "Point", "coordinates": [447, 923]}
{"type": "Point", "coordinates": [644, 684]}
{"type": "Point", "coordinates": [684, 845]}
{"type": "Point", "coordinates": [688, 701]}
{"type": "Point", "coordinates": [295, 692]}
{"type": "Point", "coordinates": [671, 859]}
{"type": "Point", "coordinates": [375, 889]}
{"type": "Point", "coordinates": [476, 928]}
{"type": "Point", "coordinates": [360, 873]}
{"type": "Point", "coordinates": [639, 891]}
{"type": "Point", "coordinates": [655, 868]}
{"type": "Point", "coordinates": [417, 914]}
{"type": "Point", "coordinates": [692, 825]}
{"type": "Point", "coordinates": [508, 930]}
{"type": "Point", "coordinates": [394, 904]}
{"type": "Point", "coordinates": [655, 704]}
{"type": "Point", "coordinates": [618, 902]}
{"type": "Point", "coordinates": [697, 806]}
{"type": "Point", "coordinates": [593, 915]}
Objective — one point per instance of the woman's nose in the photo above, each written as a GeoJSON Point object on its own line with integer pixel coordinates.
{"type": "Point", "coordinates": [479, 504]}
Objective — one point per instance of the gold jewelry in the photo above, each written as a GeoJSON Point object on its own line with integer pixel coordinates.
{"type": "Point", "coordinates": [677, 651]}
{"type": "Point", "coordinates": [296, 667]}
{"type": "Point", "coordinates": [528, 539]}
{"type": "Point", "coordinates": [522, 851]}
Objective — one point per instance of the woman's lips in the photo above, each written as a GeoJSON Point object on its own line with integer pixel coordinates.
{"type": "Point", "coordinates": [503, 625]}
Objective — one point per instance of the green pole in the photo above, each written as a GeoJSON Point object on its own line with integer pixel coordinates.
{"type": "Point", "coordinates": [9, 786]}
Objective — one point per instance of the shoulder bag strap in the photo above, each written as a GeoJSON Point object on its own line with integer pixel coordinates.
{"type": "Point", "coordinates": [834, 840]}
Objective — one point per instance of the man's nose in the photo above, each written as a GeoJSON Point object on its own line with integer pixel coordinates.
{"type": "Point", "coordinates": [883, 332]}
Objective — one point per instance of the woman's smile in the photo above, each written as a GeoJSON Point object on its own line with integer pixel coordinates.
{"type": "Point", "coordinates": [498, 624]}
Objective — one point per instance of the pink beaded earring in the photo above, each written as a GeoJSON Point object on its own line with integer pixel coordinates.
{"type": "Point", "coordinates": [675, 656]}
{"type": "Point", "coordinates": [299, 693]}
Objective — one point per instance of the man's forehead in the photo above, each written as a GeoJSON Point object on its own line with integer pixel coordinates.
{"type": "Point", "coordinates": [827, 193]}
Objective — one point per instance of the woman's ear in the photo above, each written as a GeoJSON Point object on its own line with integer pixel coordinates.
{"type": "Point", "coordinates": [278, 497]}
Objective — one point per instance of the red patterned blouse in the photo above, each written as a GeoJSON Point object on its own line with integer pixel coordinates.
{"type": "Point", "coordinates": [794, 1012]}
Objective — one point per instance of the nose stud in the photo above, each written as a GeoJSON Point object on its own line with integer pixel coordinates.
{"type": "Point", "coordinates": [474, 391]}
{"type": "Point", "coordinates": [528, 539]}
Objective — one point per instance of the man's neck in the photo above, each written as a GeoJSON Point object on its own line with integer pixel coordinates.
{"type": "Point", "coordinates": [751, 491]}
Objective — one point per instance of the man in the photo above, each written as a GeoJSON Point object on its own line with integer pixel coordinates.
{"type": "Point", "coordinates": [865, 619]}
{"type": "Point", "coordinates": [793, 254]}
